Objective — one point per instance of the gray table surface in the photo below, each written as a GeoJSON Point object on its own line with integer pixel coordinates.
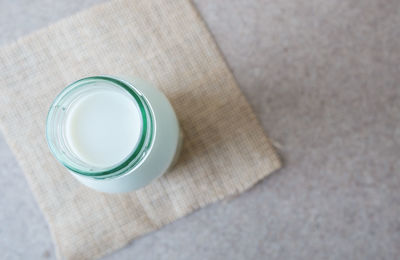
{"type": "Point", "coordinates": [324, 79]}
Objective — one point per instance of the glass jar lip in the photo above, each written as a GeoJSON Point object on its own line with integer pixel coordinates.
{"type": "Point", "coordinates": [146, 119]}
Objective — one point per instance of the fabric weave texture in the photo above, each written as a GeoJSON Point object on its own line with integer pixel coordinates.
{"type": "Point", "coordinates": [225, 150]}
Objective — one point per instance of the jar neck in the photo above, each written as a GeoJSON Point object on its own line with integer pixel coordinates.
{"type": "Point", "coordinates": [61, 147]}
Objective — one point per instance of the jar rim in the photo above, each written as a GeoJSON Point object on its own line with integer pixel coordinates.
{"type": "Point", "coordinates": [131, 160]}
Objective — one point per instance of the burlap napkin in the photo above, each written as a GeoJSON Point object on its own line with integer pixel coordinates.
{"type": "Point", "coordinates": [225, 150]}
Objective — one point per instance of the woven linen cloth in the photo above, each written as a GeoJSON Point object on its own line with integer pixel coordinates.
{"type": "Point", "coordinates": [225, 150]}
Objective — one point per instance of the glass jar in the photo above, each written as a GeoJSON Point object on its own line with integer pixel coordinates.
{"type": "Point", "coordinates": [113, 134]}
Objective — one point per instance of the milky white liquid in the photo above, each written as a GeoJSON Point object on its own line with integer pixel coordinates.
{"type": "Point", "coordinates": [103, 126]}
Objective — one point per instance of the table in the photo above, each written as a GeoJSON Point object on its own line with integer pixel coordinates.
{"type": "Point", "coordinates": [323, 77]}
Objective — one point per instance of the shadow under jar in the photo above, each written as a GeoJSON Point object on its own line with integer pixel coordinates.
{"type": "Point", "coordinates": [113, 134]}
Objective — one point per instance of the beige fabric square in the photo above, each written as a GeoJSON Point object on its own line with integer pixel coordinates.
{"type": "Point", "coordinates": [225, 150]}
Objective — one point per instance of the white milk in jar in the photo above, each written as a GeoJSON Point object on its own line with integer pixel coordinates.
{"type": "Point", "coordinates": [112, 134]}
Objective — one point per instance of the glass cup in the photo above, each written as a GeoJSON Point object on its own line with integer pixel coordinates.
{"type": "Point", "coordinates": [158, 143]}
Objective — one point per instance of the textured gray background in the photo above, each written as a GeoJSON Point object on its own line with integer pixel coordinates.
{"type": "Point", "coordinates": [324, 79]}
